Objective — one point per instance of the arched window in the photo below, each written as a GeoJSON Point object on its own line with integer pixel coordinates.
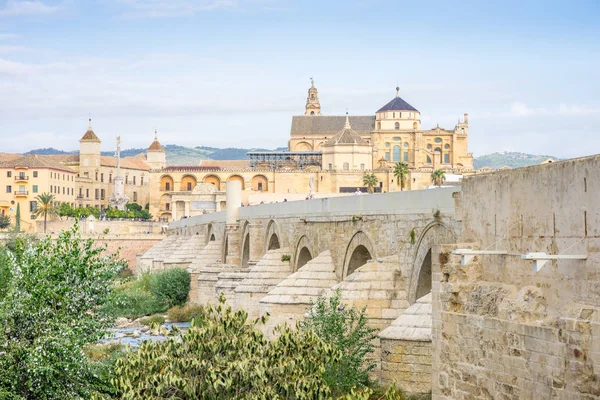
{"type": "Point", "coordinates": [378, 125]}
{"type": "Point", "coordinates": [362, 167]}
{"type": "Point", "coordinates": [312, 113]}
{"type": "Point", "coordinates": [396, 153]}
{"type": "Point", "coordinates": [437, 149]}
{"type": "Point", "coordinates": [346, 166]}
{"type": "Point", "coordinates": [330, 166]}
{"type": "Point", "coordinates": [397, 125]}
{"type": "Point", "coordinates": [415, 125]}
{"type": "Point", "coordinates": [428, 160]}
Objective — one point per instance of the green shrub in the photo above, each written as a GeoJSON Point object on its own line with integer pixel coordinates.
{"type": "Point", "coordinates": [153, 320]}
{"type": "Point", "coordinates": [224, 356]}
{"type": "Point", "coordinates": [285, 257]}
{"type": "Point", "coordinates": [346, 329]}
{"type": "Point", "coordinates": [134, 302]}
{"type": "Point", "coordinates": [51, 309]}
{"type": "Point", "coordinates": [185, 313]}
{"type": "Point", "coordinates": [171, 286]}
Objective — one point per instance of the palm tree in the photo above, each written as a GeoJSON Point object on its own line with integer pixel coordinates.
{"type": "Point", "coordinates": [370, 181]}
{"type": "Point", "coordinates": [401, 172]}
{"type": "Point", "coordinates": [438, 177]}
{"type": "Point", "coordinates": [45, 207]}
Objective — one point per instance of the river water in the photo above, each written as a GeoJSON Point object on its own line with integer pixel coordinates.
{"type": "Point", "coordinates": [123, 335]}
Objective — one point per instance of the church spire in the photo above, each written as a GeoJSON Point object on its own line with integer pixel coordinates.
{"type": "Point", "coordinates": [347, 124]}
{"type": "Point", "coordinates": [313, 107]}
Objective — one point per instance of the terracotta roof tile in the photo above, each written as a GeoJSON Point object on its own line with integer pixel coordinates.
{"type": "Point", "coordinates": [35, 161]}
{"type": "Point", "coordinates": [126, 162]}
{"type": "Point", "coordinates": [225, 163]}
{"type": "Point", "coordinates": [156, 146]}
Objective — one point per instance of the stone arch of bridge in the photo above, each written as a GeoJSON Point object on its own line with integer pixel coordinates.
{"type": "Point", "coordinates": [272, 237]}
{"type": "Point", "coordinates": [303, 253]}
{"type": "Point", "coordinates": [245, 244]}
{"type": "Point", "coordinates": [421, 272]}
{"type": "Point", "coordinates": [210, 233]}
{"type": "Point", "coordinates": [225, 247]}
{"type": "Point", "coordinates": [359, 250]}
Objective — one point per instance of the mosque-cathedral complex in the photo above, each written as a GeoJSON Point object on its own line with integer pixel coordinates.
{"type": "Point", "coordinates": [328, 155]}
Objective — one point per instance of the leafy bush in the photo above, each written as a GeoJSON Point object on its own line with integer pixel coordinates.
{"type": "Point", "coordinates": [153, 320]}
{"type": "Point", "coordinates": [4, 221]}
{"type": "Point", "coordinates": [185, 313]}
{"type": "Point", "coordinates": [52, 307]}
{"type": "Point", "coordinates": [285, 257]}
{"type": "Point", "coordinates": [132, 301]}
{"type": "Point", "coordinates": [346, 329]}
{"type": "Point", "coordinates": [224, 356]}
{"type": "Point", "coordinates": [171, 286]}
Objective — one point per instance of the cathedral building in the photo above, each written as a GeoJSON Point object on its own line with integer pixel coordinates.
{"type": "Point", "coordinates": [394, 134]}
{"type": "Point", "coordinates": [327, 156]}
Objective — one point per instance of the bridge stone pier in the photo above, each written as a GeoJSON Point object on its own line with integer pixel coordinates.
{"type": "Point", "coordinates": [278, 258]}
{"type": "Point", "coordinates": [482, 328]}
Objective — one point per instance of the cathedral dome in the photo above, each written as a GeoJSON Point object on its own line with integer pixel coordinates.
{"type": "Point", "coordinates": [89, 135]}
{"type": "Point", "coordinates": [397, 104]}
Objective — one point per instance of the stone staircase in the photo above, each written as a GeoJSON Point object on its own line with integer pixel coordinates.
{"type": "Point", "coordinates": [290, 299]}
{"type": "Point", "coordinates": [158, 252]}
{"type": "Point", "coordinates": [185, 251]}
{"type": "Point", "coordinates": [268, 272]}
{"type": "Point", "coordinates": [378, 286]}
{"type": "Point", "coordinates": [406, 348]}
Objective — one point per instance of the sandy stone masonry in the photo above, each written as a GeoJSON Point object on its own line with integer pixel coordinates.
{"type": "Point", "coordinates": [501, 330]}
{"type": "Point", "coordinates": [376, 248]}
{"type": "Point", "coordinates": [498, 329]}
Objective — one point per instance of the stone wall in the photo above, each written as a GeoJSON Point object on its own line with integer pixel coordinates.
{"type": "Point", "coordinates": [501, 330]}
{"type": "Point", "coordinates": [114, 227]}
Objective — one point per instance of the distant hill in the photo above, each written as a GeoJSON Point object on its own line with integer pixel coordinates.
{"type": "Point", "coordinates": [181, 155]}
{"type": "Point", "coordinates": [510, 159]}
{"type": "Point", "coordinates": [49, 151]}
{"type": "Point", "coordinates": [176, 155]}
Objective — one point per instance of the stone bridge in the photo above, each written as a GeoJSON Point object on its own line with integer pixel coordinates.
{"type": "Point", "coordinates": [280, 257]}
{"type": "Point", "coordinates": [484, 327]}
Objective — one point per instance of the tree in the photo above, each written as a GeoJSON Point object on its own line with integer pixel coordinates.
{"type": "Point", "coordinates": [224, 356]}
{"type": "Point", "coordinates": [370, 181]}
{"type": "Point", "coordinates": [4, 221]}
{"type": "Point", "coordinates": [52, 307]}
{"type": "Point", "coordinates": [65, 210]}
{"type": "Point", "coordinates": [18, 218]}
{"type": "Point", "coordinates": [438, 177]}
{"type": "Point", "coordinates": [401, 172]}
{"type": "Point", "coordinates": [346, 329]}
{"type": "Point", "coordinates": [45, 207]}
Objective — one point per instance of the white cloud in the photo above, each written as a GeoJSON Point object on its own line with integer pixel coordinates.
{"type": "Point", "coordinates": [16, 7]}
{"type": "Point", "coordinates": [8, 36]}
{"type": "Point", "coordinates": [173, 8]}
{"type": "Point", "coordinates": [11, 49]}
{"type": "Point", "coordinates": [566, 109]}
{"type": "Point", "coordinates": [522, 110]}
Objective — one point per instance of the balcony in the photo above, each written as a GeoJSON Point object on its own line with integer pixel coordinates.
{"type": "Point", "coordinates": [21, 178]}
{"type": "Point", "coordinates": [23, 193]}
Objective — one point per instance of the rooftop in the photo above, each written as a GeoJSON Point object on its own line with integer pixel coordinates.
{"type": "Point", "coordinates": [35, 161]}
{"type": "Point", "coordinates": [330, 125]}
{"type": "Point", "coordinates": [397, 104]}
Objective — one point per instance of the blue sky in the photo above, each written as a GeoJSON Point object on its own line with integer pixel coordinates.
{"type": "Point", "coordinates": [233, 72]}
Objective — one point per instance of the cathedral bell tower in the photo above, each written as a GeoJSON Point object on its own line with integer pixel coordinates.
{"type": "Point", "coordinates": [313, 107]}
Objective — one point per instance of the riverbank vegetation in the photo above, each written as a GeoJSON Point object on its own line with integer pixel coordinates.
{"type": "Point", "coordinates": [59, 299]}
{"type": "Point", "coordinates": [150, 293]}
